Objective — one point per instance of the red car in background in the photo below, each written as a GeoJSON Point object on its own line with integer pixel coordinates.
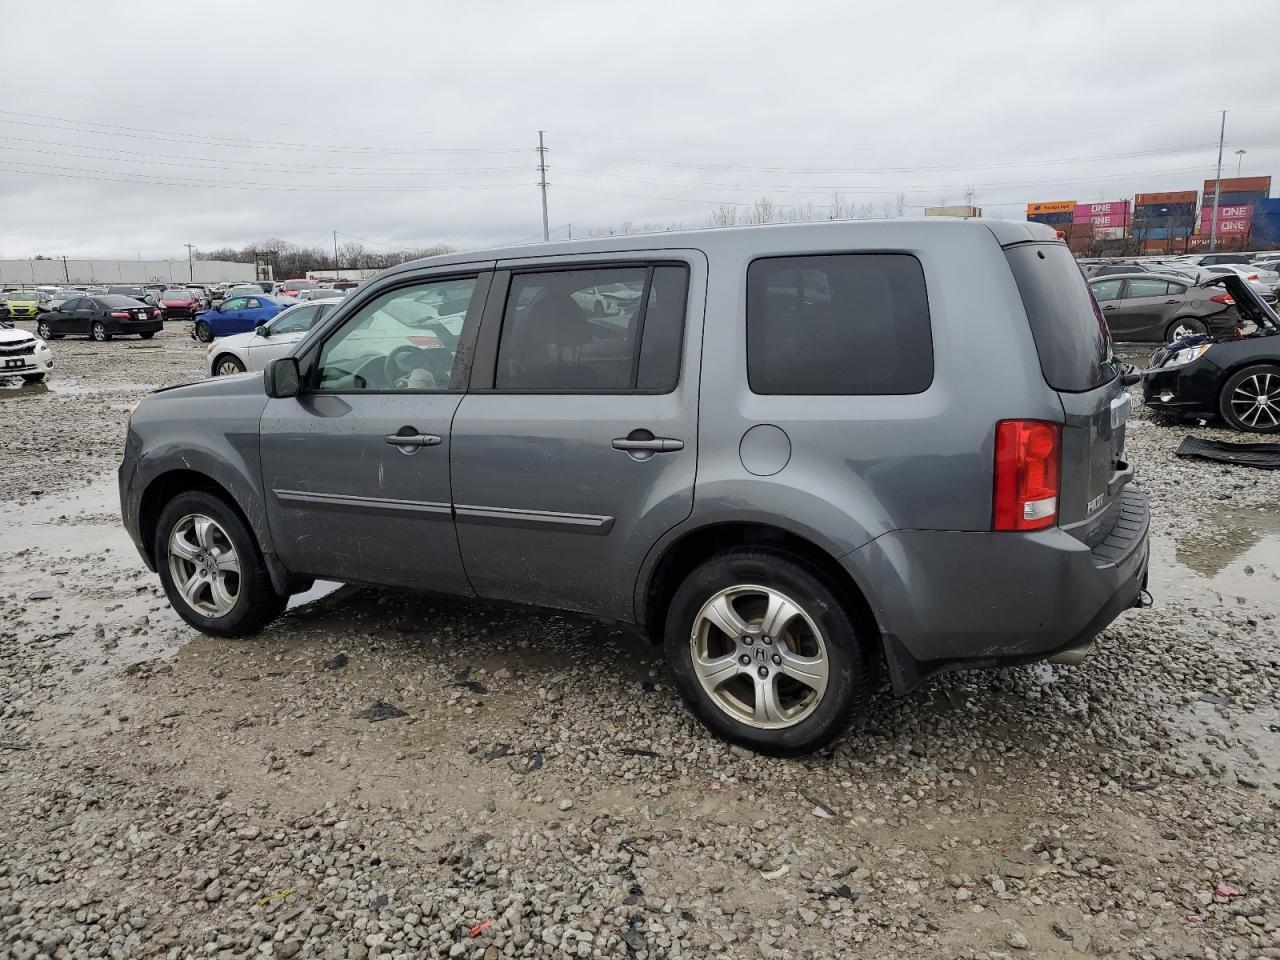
{"type": "Point", "coordinates": [292, 288]}
{"type": "Point", "coordinates": [178, 303]}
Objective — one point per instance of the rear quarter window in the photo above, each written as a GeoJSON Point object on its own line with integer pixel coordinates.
{"type": "Point", "coordinates": [1071, 338]}
{"type": "Point", "coordinates": [838, 325]}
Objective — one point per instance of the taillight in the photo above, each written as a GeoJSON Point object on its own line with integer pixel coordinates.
{"type": "Point", "coordinates": [119, 314]}
{"type": "Point", "coordinates": [1028, 468]}
{"type": "Point", "coordinates": [1223, 298]}
{"type": "Point", "coordinates": [1252, 276]}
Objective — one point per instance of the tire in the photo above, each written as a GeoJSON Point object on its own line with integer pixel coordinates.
{"type": "Point", "coordinates": [99, 332]}
{"type": "Point", "coordinates": [32, 377]}
{"type": "Point", "coordinates": [43, 331]}
{"type": "Point", "coordinates": [253, 601]}
{"type": "Point", "coordinates": [204, 333]}
{"type": "Point", "coordinates": [1184, 327]}
{"type": "Point", "coordinates": [226, 364]}
{"type": "Point", "coordinates": [148, 335]}
{"type": "Point", "coordinates": [1238, 400]}
{"type": "Point", "coordinates": [805, 719]}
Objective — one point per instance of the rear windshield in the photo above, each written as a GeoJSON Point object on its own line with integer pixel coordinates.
{"type": "Point", "coordinates": [1071, 337]}
{"type": "Point", "coordinates": [130, 302]}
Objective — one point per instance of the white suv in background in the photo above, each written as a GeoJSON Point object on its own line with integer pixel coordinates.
{"type": "Point", "coordinates": [275, 338]}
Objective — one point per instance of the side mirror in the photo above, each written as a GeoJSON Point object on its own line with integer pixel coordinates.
{"type": "Point", "coordinates": [1129, 375]}
{"type": "Point", "coordinates": [283, 379]}
{"type": "Point", "coordinates": [262, 330]}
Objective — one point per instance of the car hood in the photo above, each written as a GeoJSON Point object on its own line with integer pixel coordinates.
{"type": "Point", "coordinates": [236, 385]}
{"type": "Point", "coordinates": [14, 335]}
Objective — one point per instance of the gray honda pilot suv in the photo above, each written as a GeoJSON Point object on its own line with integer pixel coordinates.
{"type": "Point", "coordinates": [792, 454]}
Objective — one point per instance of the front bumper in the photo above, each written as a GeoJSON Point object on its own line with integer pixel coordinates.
{"type": "Point", "coordinates": [26, 364]}
{"type": "Point", "coordinates": [947, 600]}
{"type": "Point", "coordinates": [1189, 390]}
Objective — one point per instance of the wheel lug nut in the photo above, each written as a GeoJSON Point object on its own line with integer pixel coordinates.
{"type": "Point", "coordinates": [768, 639]}
{"type": "Point", "coordinates": [744, 660]}
{"type": "Point", "coordinates": [764, 672]}
{"type": "Point", "coordinates": [777, 660]}
{"type": "Point", "coordinates": [747, 641]}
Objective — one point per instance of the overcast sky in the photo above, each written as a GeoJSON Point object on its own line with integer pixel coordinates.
{"type": "Point", "coordinates": [132, 129]}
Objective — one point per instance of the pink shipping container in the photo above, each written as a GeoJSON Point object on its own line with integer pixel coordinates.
{"type": "Point", "coordinates": [1111, 213]}
{"type": "Point", "coordinates": [1232, 221]}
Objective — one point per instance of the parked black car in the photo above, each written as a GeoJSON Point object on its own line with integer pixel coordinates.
{"type": "Point", "coordinates": [101, 318]}
{"type": "Point", "coordinates": [1235, 377]}
{"type": "Point", "coordinates": [1161, 308]}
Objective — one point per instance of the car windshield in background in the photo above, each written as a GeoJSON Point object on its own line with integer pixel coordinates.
{"type": "Point", "coordinates": [136, 292]}
{"type": "Point", "coordinates": [1071, 338]}
{"type": "Point", "coordinates": [177, 295]}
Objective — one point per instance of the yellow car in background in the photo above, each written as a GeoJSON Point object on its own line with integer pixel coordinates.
{"type": "Point", "coordinates": [22, 303]}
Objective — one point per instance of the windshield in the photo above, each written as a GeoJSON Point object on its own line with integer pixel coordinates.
{"type": "Point", "coordinates": [178, 295]}
{"type": "Point", "coordinates": [130, 302]}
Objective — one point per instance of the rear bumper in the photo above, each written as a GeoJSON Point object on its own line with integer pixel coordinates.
{"type": "Point", "coordinates": [957, 600]}
{"type": "Point", "coordinates": [126, 327]}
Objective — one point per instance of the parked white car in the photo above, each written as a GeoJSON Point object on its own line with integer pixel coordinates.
{"type": "Point", "coordinates": [23, 354]}
{"type": "Point", "coordinates": [321, 293]}
{"type": "Point", "coordinates": [275, 338]}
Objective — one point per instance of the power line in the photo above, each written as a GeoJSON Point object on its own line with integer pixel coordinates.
{"type": "Point", "coordinates": [137, 156]}
{"type": "Point", "coordinates": [170, 136]}
{"type": "Point", "coordinates": [274, 122]}
{"type": "Point", "coordinates": [649, 161]}
{"type": "Point", "coordinates": [110, 176]}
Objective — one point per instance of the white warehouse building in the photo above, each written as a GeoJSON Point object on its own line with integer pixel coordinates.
{"type": "Point", "coordinates": [32, 272]}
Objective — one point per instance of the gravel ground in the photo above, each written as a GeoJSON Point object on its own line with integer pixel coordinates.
{"type": "Point", "coordinates": [537, 790]}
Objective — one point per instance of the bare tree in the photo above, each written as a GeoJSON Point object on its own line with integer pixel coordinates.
{"type": "Point", "coordinates": [764, 210]}
{"type": "Point", "coordinates": [723, 216]}
{"type": "Point", "coordinates": [351, 256]}
{"type": "Point", "coordinates": [838, 210]}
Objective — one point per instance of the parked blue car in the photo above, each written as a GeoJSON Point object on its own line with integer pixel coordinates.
{"type": "Point", "coordinates": [238, 315]}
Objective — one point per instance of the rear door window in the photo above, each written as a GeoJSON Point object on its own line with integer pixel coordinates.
{"type": "Point", "coordinates": [1070, 335]}
{"type": "Point", "coordinates": [1148, 288]}
{"type": "Point", "coordinates": [838, 325]}
{"type": "Point", "coordinates": [616, 329]}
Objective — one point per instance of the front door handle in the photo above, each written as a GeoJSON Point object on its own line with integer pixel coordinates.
{"type": "Point", "coordinates": [413, 439]}
{"type": "Point", "coordinates": [653, 445]}
{"type": "Point", "coordinates": [1108, 308]}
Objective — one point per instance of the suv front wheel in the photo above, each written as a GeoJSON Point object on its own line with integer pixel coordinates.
{"type": "Point", "coordinates": [765, 653]}
{"type": "Point", "coordinates": [211, 568]}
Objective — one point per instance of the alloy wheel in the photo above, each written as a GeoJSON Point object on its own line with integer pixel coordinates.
{"type": "Point", "coordinates": [228, 367]}
{"type": "Point", "coordinates": [99, 332]}
{"type": "Point", "coordinates": [1256, 400]}
{"type": "Point", "coordinates": [43, 331]}
{"type": "Point", "coordinates": [759, 657]}
{"type": "Point", "coordinates": [204, 565]}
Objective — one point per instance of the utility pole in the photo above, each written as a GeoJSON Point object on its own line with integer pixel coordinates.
{"type": "Point", "coordinates": [335, 254]}
{"type": "Point", "coordinates": [542, 182]}
{"type": "Point", "coordinates": [65, 272]}
{"type": "Point", "coordinates": [1217, 187]}
{"type": "Point", "coordinates": [571, 231]}
{"type": "Point", "coordinates": [191, 270]}
{"type": "Point", "coordinates": [1240, 160]}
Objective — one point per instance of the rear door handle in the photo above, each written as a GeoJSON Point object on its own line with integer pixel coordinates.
{"type": "Point", "coordinates": [656, 445]}
{"type": "Point", "coordinates": [413, 440]}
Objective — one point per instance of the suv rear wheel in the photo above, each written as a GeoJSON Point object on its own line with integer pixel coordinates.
{"type": "Point", "coordinates": [765, 653]}
{"type": "Point", "coordinates": [211, 568]}
{"type": "Point", "coordinates": [1250, 399]}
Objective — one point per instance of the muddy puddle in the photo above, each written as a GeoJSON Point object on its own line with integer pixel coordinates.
{"type": "Point", "coordinates": [1223, 551]}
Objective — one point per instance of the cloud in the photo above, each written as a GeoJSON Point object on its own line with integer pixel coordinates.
{"type": "Point", "coordinates": [414, 124]}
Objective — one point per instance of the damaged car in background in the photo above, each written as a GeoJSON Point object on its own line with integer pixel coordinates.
{"type": "Point", "coordinates": [1234, 376]}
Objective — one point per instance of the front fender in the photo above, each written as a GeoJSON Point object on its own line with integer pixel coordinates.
{"type": "Point", "coordinates": [210, 429]}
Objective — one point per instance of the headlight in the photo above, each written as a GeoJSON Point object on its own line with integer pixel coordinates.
{"type": "Point", "coordinates": [1184, 356]}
